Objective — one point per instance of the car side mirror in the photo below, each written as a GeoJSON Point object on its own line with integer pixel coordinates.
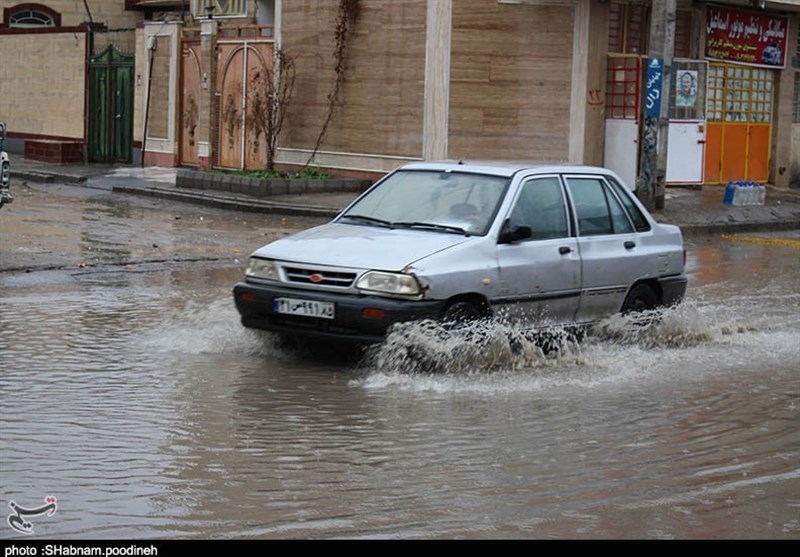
{"type": "Point", "coordinates": [514, 233]}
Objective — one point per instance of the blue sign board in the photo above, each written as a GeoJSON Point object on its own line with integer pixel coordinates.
{"type": "Point", "coordinates": [652, 88]}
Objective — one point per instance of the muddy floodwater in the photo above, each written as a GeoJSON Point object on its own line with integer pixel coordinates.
{"type": "Point", "coordinates": [130, 393]}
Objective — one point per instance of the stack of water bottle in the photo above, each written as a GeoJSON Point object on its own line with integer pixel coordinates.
{"type": "Point", "coordinates": [745, 193]}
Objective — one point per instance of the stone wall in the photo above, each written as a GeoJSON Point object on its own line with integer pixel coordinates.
{"type": "Point", "coordinates": [265, 187]}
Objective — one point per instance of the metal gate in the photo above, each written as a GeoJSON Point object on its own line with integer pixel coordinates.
{"type": "Point", "coordinates": [190, 102]}
{"type": "Point", "coordinates": [240, 63]}
{"type": "Point", "coordinates": [740, 100]}
{"type": "Point", "coordinates": [111, 106]}
{"type": "Point", "coordinates": [623, 87]}
{"type": "Point", "coordinates": [687, 122]}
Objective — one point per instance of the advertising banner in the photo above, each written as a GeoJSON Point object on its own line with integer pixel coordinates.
{"type": "Point", "coordinates": [746, 37]}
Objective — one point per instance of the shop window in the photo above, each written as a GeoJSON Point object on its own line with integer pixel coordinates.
{"type": "Point", "coordinates": [221, 8]}
{"type": "Point", "coordinates": [796, 101]}
{"type": "Point", "coordinates": [622, 87]}
{"type": "Point", "coordinates": [30, 18]}
{"type": "Point", "coordinates": [739, 94]}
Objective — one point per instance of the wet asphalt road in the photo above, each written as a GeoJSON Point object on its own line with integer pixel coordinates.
{"type": "Point", "coordinates": [130, 392]}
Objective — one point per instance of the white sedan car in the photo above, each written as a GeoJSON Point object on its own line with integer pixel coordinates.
{"type": "Point", "coordinates": [539, 245]}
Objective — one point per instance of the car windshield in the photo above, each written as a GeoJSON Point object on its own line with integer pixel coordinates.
{"type": "Point", "coordinates": [440, 201]}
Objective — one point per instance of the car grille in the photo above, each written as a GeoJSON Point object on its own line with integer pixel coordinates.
{"type": "Point", "coordinates": [319, 278]}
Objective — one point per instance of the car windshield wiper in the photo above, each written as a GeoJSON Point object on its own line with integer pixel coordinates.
{"type": "Point", "coordinates": [368, 220]}
{"type": "Point", "coordinates": [432, 226]}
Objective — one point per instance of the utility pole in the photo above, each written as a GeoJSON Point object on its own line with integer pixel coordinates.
{"type": "Point", "coordinates": [657, 83]}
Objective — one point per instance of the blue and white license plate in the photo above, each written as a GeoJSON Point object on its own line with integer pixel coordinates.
{"type": "Point", "coordinates": [306, 308]}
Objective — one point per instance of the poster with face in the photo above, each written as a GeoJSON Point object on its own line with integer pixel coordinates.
{"type": "Point", "coordinates": [686, 88]}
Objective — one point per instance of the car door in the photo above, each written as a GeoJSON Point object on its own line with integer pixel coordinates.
{"type": "Point", "coordinates": [540, 276]}
{"type": "Point", "coordinates": [612, 258]}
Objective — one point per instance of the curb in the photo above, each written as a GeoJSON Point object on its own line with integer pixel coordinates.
{"type": "Point", "coordinates": [248, 204]}
{"type": "Point", "coordinates": [47, 177]}
{"type": "Point", "coordinates": [723, 228]}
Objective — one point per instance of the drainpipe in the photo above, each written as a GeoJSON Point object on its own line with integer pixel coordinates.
{"type": "Point", "coordinates": [151, 47]}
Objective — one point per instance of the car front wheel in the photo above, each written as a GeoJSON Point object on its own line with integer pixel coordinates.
{"type": "Point", "coordinates": [460, 313]}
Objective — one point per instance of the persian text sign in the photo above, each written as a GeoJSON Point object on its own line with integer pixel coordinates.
{"type": "Point", "coordinates": [652, 87]}
{"type": "Point", "coordinates": [746, 37]}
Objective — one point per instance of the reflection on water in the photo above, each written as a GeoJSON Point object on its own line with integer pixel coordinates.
{"type": "Point", "coordinates": [139, 401]}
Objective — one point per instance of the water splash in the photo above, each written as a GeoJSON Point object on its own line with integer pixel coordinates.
{"type": "Point", "coordinates": [494, 353]}
{"type": "Point", "coordinates": [676, 327]}
{"type": "Point", "coordinates": [430, 347]}
{"type": "Point", "coordinates": [212, 328]}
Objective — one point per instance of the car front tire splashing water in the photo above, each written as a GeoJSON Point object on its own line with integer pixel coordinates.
{"type": "Point", "coordinates": [479, 346]}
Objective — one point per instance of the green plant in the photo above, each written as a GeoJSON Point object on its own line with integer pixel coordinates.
{"type": "Point", "coordinates": [268, 95]}
{"type": "Point", "coordinates": [313, 173]}
{"type": "Point", "coordinates": [307, 173]}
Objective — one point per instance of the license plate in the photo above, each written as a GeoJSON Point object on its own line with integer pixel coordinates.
{"type": "Point", "coordinates": [306, 308]}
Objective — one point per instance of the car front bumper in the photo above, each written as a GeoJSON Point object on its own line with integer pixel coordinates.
{"type": "Point", "coordinates": [358, 319]}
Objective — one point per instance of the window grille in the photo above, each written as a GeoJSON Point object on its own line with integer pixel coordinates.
{"type": "Point", "coordinates": [222, 8]}
{"type": "Point", "coordinates": [30, 18]}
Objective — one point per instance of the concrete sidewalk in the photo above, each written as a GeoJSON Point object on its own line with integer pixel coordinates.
{"type": "Point", "coordinates": [696, 211]}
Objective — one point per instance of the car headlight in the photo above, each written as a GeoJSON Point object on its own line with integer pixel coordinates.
{"type": "Point", "coordinates": [261, 268]}
{"type": "Point", "coordinates": [389, 283]}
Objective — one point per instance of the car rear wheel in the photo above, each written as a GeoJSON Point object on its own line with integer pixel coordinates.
{"type": "Point", "coordinates": [641, 298]}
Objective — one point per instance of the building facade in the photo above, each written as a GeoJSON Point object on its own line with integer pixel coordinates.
{"type": "Point", "coordinates": [552, 80]}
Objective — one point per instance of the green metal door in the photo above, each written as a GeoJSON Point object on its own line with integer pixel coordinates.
{"type": "Point", "coordinates": [111, 106]}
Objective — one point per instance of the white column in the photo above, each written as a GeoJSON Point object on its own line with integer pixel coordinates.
{"type": "Point", "coordinates": [437, 79]}
{"type": "Point", "coordinates": [580, 75]}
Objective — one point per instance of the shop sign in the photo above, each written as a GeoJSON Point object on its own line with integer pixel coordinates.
{"type": "Point", "coordinates": [746, 37]}
{"type": "Point", "coordinates": [652, 87]}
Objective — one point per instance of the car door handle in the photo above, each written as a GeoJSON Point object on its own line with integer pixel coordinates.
{"type": "Point", "coordinates": [563, 250]}
{"type": "Point", "coordinates": [630, 244]}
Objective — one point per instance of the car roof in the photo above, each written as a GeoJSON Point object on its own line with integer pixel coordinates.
{"type": "Point", "coordinates": [502, 168]}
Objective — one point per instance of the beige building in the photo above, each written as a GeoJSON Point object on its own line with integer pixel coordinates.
{"type": "Point", "coordinates": [43, 90]}
{"type": "Point", "coordinates": [557, 80]}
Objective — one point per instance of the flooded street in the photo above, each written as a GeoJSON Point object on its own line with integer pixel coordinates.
{"type": "Point", "coordinates": [130, 392]}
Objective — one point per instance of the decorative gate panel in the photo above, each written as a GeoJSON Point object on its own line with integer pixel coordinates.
{"type": "Point", "coordinates": [190, 102]}
{"type": "Point", "coordinates": [241, 144]}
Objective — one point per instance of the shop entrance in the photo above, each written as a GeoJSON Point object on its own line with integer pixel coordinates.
{"type": "Point", "coordinates": [739, 115]}
{"type": "Point", "coordinates": [623, 86]}
{"type": "Point", "coordinates": [687, 123]}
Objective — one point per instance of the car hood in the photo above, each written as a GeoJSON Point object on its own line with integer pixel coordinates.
{"type": "Point", "coordinates": [362, 247]}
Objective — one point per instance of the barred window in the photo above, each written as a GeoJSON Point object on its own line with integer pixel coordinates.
{"type": "Point", "coordinates": [683, 34]}
{"type": "Point", "coordinates": [221, 8]}
{"type": "Point", "coordinates": [796, 61]}
{"type": "Point", "coordinates": [796, 97]}
{"type": "Point", "coordinates": [629, 29]}
{"type": "Point", "coordinates": [30, 18]}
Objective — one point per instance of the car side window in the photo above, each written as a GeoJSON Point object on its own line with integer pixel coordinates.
{"type": "Point", "coordinates": [540, 206]}
{"type": "Point", "coordinates": [639, 220]}
{"type": "Point", "coordinates": [598, 211]}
